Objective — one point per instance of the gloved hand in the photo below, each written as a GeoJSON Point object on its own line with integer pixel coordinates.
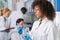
{"type": "Point", "coordinates": [19, 30]}
{"type": "Point", "coordinates": [27, 37]}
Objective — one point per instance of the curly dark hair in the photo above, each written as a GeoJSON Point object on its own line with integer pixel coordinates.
{"type": "Point", "coordinates": [46, 8]}
{"type": "Point", "coordinates": [23, 10]}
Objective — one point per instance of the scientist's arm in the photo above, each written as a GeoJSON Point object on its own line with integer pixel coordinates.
{"type": "Point", "coordinates": [32, 30]}
{"type": "Point", "coordinates": [52, 33]}
{"type": "Point", "coordinates": [33, 27]}
{"type": "Point", "coordinates": [2, 26]}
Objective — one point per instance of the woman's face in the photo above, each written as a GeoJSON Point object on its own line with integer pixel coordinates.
{"type": "Point", "coordinates": [7, 14]}
{"type": "Point", "coordinates": [37, 12]}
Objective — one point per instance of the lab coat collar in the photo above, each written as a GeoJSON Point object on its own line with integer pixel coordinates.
{"type": "Point", "coordinates": [44, 20]}
{"type": "Point", "coordinates": [3, 17]}
{"type": "Point", "coordinates": [39, 19]}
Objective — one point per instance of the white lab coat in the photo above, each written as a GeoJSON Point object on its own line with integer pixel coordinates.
{"type": "Point", "coordinates": [3, 35]}
{"type": "Point", "coordinates": [14, 35]}
{"type": "Point", "coordinates": [46, 31]}
{"type": "Point", "coordinates": [57, 22]}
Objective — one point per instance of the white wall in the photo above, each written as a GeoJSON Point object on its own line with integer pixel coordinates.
{"type": "Point", "coordinates": [10, 4]}
{"type": "Point", "coordinates": [19, 5]}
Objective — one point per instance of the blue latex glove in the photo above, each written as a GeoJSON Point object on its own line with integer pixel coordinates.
{"type": "Point", "coordinates": [19, 30]}
{"type": "Point", "coordinates": [27, 37]}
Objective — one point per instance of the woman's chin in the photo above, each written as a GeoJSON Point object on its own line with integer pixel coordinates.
{"type": "Point", "coordinates": [37, 17]}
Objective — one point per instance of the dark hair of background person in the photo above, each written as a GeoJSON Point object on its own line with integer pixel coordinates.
{"type": "Point", "coordinates": [19, 20]}
{"type": "Point", "coordinates": [46, 8]}
{"type": "Point", "coordinates": [23, 10]}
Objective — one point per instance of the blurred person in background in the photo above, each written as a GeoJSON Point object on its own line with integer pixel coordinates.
{"type": "Point", "coordinates": [13, 18]}
{"type": "Point", "coordinates": [17, 33]}
{"type": "Point", "coordinates": [4, 24]}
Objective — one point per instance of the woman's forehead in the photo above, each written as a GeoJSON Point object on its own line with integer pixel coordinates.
{"type": "Point", "coordinates": [36, 7]}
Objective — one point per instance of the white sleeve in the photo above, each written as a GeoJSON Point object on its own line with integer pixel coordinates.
{"type": "Point", "coordinates": [52, 34]}
{"type": "Point", "coordinates": [33, 27]}
{"type": "Point", "coordinates": [2, 26]}
{"type": "Point", "coordinates": [32, 30]}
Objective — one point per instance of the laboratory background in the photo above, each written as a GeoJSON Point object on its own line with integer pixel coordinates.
{"type": "Point", "coordinates": [29, 19]}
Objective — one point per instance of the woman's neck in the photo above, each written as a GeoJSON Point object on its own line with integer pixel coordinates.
{"type": "Point", "coordinates": [4, 16]}
{"type": "Point", "coordinates": [43, 18]}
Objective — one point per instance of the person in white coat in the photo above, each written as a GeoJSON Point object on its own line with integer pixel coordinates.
{"type": "Point", "coordinates": [19, 31]}
{"type": "Point", "coordinates": [44, 28]}
{"type": "Point", "coordinates": [13, 18]}
{"type": "Point", "coordinates": [3, 24]}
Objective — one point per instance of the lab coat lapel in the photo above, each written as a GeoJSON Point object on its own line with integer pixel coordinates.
{"type": "Point", "coordinates": [42, 26]}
